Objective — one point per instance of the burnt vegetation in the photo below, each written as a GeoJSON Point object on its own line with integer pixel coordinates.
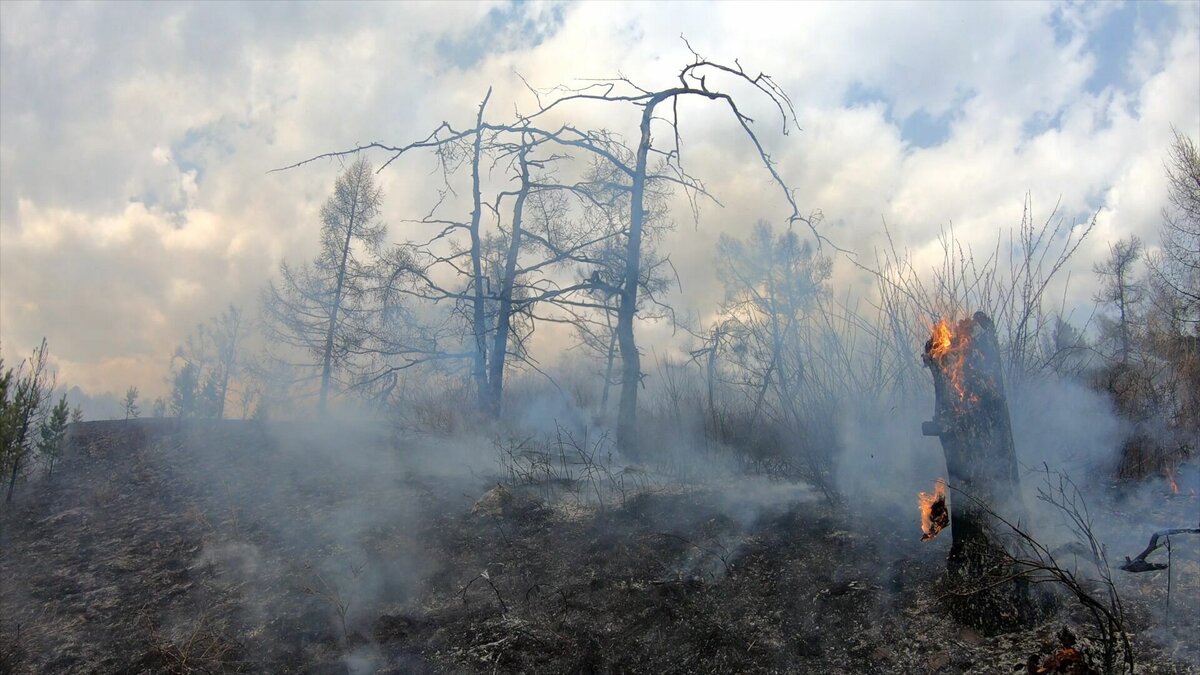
{"type": "Point", "coordinates": [383, 467]}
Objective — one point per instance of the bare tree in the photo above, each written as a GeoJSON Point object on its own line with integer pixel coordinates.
{"type": "Point", "coordinates": [1176, 268]}
{"type": "Point", "coordinates": [1009, 283]}
{"type": "Point", "coordinates": [773, 288]}
{"type": "Point", "coordinates": [600, 263]}
{"type": "Point", "coordinates": [1121, 288]}
{"type": "Point", "coordinates": [499, 279]}
{"type": "Point", "coordinates": [227, 331]}
{"type": "Point", "coordinates": [317, 306]}
{"type": "Point", "coordinates": [213, 352]}
{"type": "Point", "coordinates": [641, 172]}
{"type": "Point", "coordinates": [479, 363]}
{"type": "Point", "coordinates": [419, 269]}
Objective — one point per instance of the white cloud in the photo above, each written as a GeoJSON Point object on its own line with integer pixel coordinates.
{"type": "Point", "coordinates": [135, 141]}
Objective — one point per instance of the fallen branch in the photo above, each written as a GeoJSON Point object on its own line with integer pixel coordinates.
{"type": "Point", "coordinates": [488, 578]}
{"type": "Point", "coordinates": [1139, 563]}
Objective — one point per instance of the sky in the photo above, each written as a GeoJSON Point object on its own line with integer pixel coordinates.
{"type": "Point", "coordinates": [137, 139]}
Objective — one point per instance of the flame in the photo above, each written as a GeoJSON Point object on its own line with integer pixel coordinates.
{"type": "Point", "coordinates": [1170, 472]}
{"type": "Point", "coordinates": [946, 343]}
{"type": "Point", "coordinates": [940, 342]}
{"type": "Point", "coordinates": [934, 514]}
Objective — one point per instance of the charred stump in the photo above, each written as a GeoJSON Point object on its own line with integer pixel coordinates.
{"type": "Point", "coordinates": [971, 419]}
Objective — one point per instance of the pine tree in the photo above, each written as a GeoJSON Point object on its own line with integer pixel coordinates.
{"type": "Point", "coordinates": [131, 406]}
{"type": "Point", "coordinates": [318, 307]}
{"type": "Point", "coordinates": [22, 397]}
{"type": "Point", "coordinates": [52, 433]}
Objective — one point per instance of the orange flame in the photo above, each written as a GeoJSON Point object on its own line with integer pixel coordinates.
{"type": "Point", "coordinates": [940, 342]}
{"type": "Point", "coordinates": [944, 342]}
{"type": "Point", "coordinates": [934, 514]}
{"type": "Point", "coordinates": [1171, 480]}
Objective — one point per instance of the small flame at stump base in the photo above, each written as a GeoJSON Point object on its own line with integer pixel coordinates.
{"type": "Point", "coordinates": [934, 514]}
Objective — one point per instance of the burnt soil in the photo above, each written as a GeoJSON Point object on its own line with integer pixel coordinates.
{"type": "Point", "coordinates": [162, 547]}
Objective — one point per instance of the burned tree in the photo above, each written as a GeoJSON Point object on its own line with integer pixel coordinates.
{"type": "Point", "coordinates": [696, 80]}
{"type": "Point", "coordinates": [971, 419]}
{"type": "Point", "coordinates": [639, 172]}
{"type": "Point", "coordinates": [513, 254]}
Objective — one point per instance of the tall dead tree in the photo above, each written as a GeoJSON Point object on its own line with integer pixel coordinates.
{"type": "Point", "coordinates": [493, 267]}
{"type": "Point", "coordinates": [693, 83]}
{"type": "Point", "coordinates": [478, 316]}
{"type": "Point", "coordinates": [638, 175]}
{"type": "Point", "coordinates": [508, 278]}
{"type": "Point", "coordinates": [971, 419]}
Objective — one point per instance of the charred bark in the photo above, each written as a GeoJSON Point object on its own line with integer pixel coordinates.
{"type": "Point", "coordinates": [971, 419]}
{"type": "Point", "coordinates": [1139, 564]}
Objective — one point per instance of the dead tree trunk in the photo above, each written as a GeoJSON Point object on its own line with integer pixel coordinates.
{"type": "Point", "coordinates": [631, 367]}
{"type": "Point", "coordinates": [971, 419]}
{"type": "Point", "coordinates": [478, 316]}
{"type": "Point", "coordinates": [504, 316]}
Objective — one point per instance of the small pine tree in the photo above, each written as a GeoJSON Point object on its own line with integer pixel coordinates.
{"type": "Point", "coordinates": [76, 415]}
{"type": "Point", "coordinates": [131, 406]}
{"type": "Point", "coordinates": [22, 395]}
{"type": "Point", "coordinates": [160, 407]}
{"type": "Point", "coordinates": [53, 432]}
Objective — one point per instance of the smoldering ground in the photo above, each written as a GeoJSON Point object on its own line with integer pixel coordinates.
{"type": "Point", "coordinates": [167, 546]}
{"type": "Point", "coordinates": [284, 529]}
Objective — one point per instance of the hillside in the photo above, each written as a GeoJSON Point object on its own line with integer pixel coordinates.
{"type": "Point", "coordinates": [161, 546]}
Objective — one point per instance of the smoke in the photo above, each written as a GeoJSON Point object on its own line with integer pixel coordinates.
{"type": "Point", "coordinates": [105, 406]}
{"type": "Point", "coordinates": [316, 530]}
{"type": "Point", "coordinates": [327, 518]}
{"type": "Point", "coordinates": [1064, 425]}
{"type": "Point", "coordinates": [884, 458]}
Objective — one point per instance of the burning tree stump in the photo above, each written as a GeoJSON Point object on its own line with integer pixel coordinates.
{"type": "Point", "coordinates": [971, 419]}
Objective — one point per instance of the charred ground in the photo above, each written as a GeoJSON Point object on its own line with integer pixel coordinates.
{"type": "Point", "coordinates": [161, 546]}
